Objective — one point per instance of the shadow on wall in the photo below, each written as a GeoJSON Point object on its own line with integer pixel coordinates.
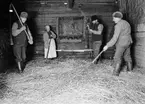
{"type": "Point", "coordinates": [4, 50]}
{"type": "Point", "coordinates": [133, 48]}
{"type": "Point", "coordinates": [32, 26]}
{"type": "Point", "coordinates": [107, 35]}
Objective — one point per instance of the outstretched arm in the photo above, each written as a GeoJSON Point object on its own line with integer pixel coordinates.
{"type": "Point", "coordinates": [115, 37]}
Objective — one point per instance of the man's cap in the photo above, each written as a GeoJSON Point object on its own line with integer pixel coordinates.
{"type": "Point", "coordinates": [94, 17]}
{"type": "Point", "coordinates": [117, 14]}
{"type": "Point", "coordinates": [24, 14]}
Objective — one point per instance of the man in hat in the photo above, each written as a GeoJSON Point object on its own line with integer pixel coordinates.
{"type": "Point", "coordinates": [122, 40]}
{"type": "Point", "coordinates": [95, 29]}
{"type": "Point", "coordinates": [21, 34]}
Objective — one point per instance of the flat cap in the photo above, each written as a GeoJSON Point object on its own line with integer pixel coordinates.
{"type": "Point", "coordinates": [94, 17]}
{"type": "Point", "coordinates": [24, 14]}
{"type": "Point", "coordinates": [117, 14]}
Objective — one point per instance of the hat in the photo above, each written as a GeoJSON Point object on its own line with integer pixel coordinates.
{"type": "Point", "coordinates": [94, 17]}
{"type": "Point", "coordinates": [117, 14]}
{"type": "Point", "coordinates": [24, 14]}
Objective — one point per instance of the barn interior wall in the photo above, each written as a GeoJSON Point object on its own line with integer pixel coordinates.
{"type": "Point", "coordinates": [135, 14]}
{"type": "Point", "coordinates": [42, 12]}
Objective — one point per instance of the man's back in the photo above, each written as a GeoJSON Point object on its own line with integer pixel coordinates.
{"type": "Point", "coordinates": [125, 33]}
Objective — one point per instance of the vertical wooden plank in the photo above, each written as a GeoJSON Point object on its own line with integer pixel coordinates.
{"type": "Point", "coordinates": [57, 30]}
{"type": "Point", "coordinates": [70, 4]}
{"type": "Point", "coordinates": [57, 24]}
{"type": "Point", "coordinates": [84, 32]}
{"type": "Point", "coordinates": [139, 49]}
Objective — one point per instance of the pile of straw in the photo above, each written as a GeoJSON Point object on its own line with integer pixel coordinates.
{"type": "Point", "coordinates": [72, 81]}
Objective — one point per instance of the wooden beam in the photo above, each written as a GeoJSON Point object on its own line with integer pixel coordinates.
{"type": "Point", "coordinates": [70, 4]}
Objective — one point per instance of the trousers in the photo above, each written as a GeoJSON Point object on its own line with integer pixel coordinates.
{"type": "Point", "coordinates": [19, 52]}
{"type": "Point", "coordinates": [122, 52]}
{"type": "Point", "coordinates": [96, 47]}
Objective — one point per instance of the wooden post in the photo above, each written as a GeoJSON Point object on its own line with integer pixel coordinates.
{"type": "Point", "coordinates": [70, 4]}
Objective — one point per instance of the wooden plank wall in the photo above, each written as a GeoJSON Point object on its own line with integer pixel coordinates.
{"type": "Point", "coordinates": [42, 14]}
{"type": "Point", "coordinates": [135, 14]}
{"type": "Point", "coordinates": [139, 49]}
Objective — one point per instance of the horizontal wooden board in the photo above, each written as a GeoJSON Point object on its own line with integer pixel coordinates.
{"type": "Point", "coordinates": [139, 48]}
{"type": "Point", "coordinates": [139, 34]}
{"type": "Point", "coordinates": [138, 55]}
{"type": "Point", "coordinates": [139, 62]}
{"type": "Point", "coordinates": [97, 1]}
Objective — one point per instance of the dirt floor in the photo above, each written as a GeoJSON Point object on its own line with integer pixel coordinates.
{"type": "Point", "coordinates": [72, 81]}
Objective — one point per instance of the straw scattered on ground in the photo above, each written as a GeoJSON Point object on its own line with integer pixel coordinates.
{"type": "Point", "coordinates": [72, 81]}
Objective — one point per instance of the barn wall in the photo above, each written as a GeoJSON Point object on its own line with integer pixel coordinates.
{"type": "Point", "coordinates": [135, 14]}
{"type": "Point", "coordinates": [139, 48]}
{"type": "Point", "coordinates": [50, 12]}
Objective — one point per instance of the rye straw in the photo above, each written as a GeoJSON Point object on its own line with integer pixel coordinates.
{"type": "Point", "coordinates": [72, 81]}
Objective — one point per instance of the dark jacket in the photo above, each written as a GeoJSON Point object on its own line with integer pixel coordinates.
{"type": "Point", "coordinates": [95, 37]}
{"type": "Point", "coordinates": [20, 39]}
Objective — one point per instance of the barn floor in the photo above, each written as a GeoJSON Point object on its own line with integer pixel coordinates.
{"type": "Point", "coordinates": [72, 81]}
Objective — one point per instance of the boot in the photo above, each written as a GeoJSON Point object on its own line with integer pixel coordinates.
{"type": "Point", "coordinates": [116, 71]}
{"type": "Point", "coordinates": [19, 67]}
{"type": "Point", "coordinates": [129, 66]}
{"type": "Point", "coordinates": [23, 65]}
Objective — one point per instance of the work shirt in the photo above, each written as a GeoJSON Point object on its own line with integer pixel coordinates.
{"type": "Point", "coordinates": [122, 34]}
{"type": "Point", "coordinates": [96, 37]}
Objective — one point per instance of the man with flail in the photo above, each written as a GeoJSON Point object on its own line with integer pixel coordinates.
{"type": "Point", "coordinates": [122, 40]}
{"type": "Point", "coordinates": [95, 29]}
{"type": "Point", "coordinates": [21, 34]}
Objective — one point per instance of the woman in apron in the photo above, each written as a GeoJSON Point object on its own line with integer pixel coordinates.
{"type": "Point", "coordinates": [49, 43]}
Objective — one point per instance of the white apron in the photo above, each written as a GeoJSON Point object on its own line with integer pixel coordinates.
{"type": "Point", "coordinates": [52, 49]}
